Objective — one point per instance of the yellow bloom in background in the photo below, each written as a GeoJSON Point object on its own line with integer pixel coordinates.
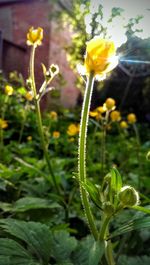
{"type": "Point", "coordinates": [131, 118]}
{"type": "Point", "coordinates": [123, 124]}
{"type": "Point", "coordinates": [73, 129]}
{"type": "Point", "coordinates": [93, 114]}
{"type": "Point", "coordinates": [56, 134]}
{"type": "Point", "coordinates": [29, 95]}
{"type": "Point", "coordinates": [29, 138]}
{"type": "Point", "coordinates": [9, 90]}
{"type": "Point", "coordinates": [101, 109]}
{"type": "Point", "coordinates": [115, 115]}
{"type": "Point", "coordinates": [100, 57]}
{"type": "Point", "coordinates": [53, 115]}
{"type": "Point", "coordinates": [3, 124]}
{"type": "Point", "coordinates": [110, 103]}
{"type": "Point", "coordinates": [35, 36]}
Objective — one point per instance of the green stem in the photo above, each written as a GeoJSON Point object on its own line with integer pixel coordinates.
{"type": "Point", "coordinates": [39, 120]}
{"type": "Point", "coordinates": [104, 232]}
{"type": "Point", "coordinates": [82, 154]}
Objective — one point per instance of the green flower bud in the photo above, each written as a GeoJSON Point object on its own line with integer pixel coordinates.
{"type": "Point", "coordinates": [148, 156]}
{"type": "Point", "coordinates": [128, 196]}
{"type": "Point", "coordinates": [108, 208]}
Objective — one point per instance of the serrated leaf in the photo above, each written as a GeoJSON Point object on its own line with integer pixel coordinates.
{"type": "Point", "coordinates": [29, 203]}
{"type": "Point", "coordinates": [96, 253]}
{"type": "Point", "coordinates": [62, 246]}
{"type": "Point", "coordinates": [81, 254]}
{"type": "Point", "coordinates": [36, 235]}
{"type": "Point", "coordinates": [12, 253]}
{"type": "Point", "coordinates": [136, 224]}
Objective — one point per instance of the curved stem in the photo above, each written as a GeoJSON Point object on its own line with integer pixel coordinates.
{"type": "Point", "coordinates": [82, 154]}
{"type": "Point", "coordinates": [39, 119]}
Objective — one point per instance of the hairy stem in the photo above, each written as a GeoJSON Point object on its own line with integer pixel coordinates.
{"type": "Point", "coordinates": [82, 154]}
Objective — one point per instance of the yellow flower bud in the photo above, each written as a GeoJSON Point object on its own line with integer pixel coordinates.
{"type": "Point", "coordinates": [115, 115]}
{"type": "Point", "coordinates": [131, 118]}
{"type": "Point", "coordinates": [53, 115]}
{"type": "Point", "coordinates": [110, 103]}
{"type": "Point", "coordinates": [9, 90]}
{"type": "Point", "coordinates": [100, 56]}
{"type": "Point", "coordinates": [148, 156]}
{"type": "Point", "coordinates": [123, 125]}
{"type": "Point", "coordinates": [56, 134]}
{"type": "Point", "coordinates": [3, 124]}
{"type": "Point", "coordinates": [128, 196]}
{"type": "Point", "coordinates": [29, 95]}
{"type": "Point", "coordinates": [35, 36]}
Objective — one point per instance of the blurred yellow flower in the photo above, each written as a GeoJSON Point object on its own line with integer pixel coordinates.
{"type": "Point", "coordinates": [56, 134]}
{"type": "Point", "coordinates": [115, 115]}
{"type": "Point", "coordinates": [73, 129]}
{"type": "Point", "coordinates": [123, 124]}
{"type": "Point", "coordinates": [29, 95]}
{"type": "Point", "coordinates": [101, 109]}
{"type": "Point", "coordinates": [3, 124]}
{"type": "Point", "coordinates": [53, 115]}
{"type": "Point", "coordinates": [9, 90]}
{"type": "Point", "coordinates": [100, 57]}
{"type": "Point", "coordinates": [29, 138]}
{"type": "Point", "coordinates": [110, 103]}
{"type": "Point", "coordinates": [35, 36]}
{"type": "Point", "coordinates": [131, 118]}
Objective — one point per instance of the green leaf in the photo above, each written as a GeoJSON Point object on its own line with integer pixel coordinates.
{"type": "Point", "coordinates": [142, 209]}
{"type": "Point", "coordinates": [96, 253]}
{"type": "Point", "coordinates": [62, 246]}
{"type": "Point", "coordinates": [116, 180]}
{"type": "Point", "coordinates": [81, 254]}
{"type": "Point", "coordinates": [28, 203]}
{"type": "Point", "coordinates": [93, 192]}
{"type": "Point", "coordinates": [12, 253]}
{"type": "Point", "coordinates": [36, 235]}
{"type": "Point", "coordinates": [136, 224]}
{"type": "Point", "coordinates": [136, 260]}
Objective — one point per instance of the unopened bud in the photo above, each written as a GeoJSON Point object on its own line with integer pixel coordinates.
{"type": "Point", "coordinates": [128, 196]}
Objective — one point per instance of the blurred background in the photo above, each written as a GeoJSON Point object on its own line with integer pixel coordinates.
{"type": "Point", "coordinates": [67, 26]}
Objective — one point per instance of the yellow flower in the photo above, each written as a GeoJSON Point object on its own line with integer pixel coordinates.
{"type": "Point", "coordinates": [115, 115]}
{"type": "Point", "coordinates": [29, 138]}
{"type": "Point", "coordinates": [100, 57]}
{"type": "Point", "coordinates": [34, 36]}
{"type": "Point", "coordinates": [9, 90]}
{"type": "Point", "coordinates": [110, 103]}
{"type": "Point", "coordinates": [29, 95]}
{"type": "Point", "coordinates": [56, 134]}
{"type": "Point", "coordinates": [101, 109]}
{"type": "Point", "coordinates": [53, 115]}
{"type": "Point", "coordinates": [3, 124]}
{"type": "Point", "coordinates": [93, 114]}
{"type": "Point", "coordinates": [123, 124]}
{"type": "Point", "coordinates": [73, 129]}
{"type": "Point", "coordinates": [131, 118]}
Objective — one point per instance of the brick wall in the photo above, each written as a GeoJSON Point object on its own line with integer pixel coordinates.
{"type": "Point", "coordinates": [36, 13]}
